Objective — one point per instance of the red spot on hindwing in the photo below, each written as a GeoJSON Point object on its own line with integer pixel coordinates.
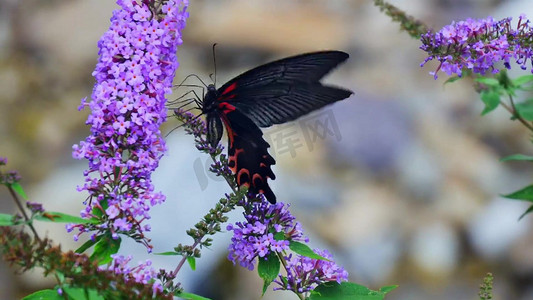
{"type": "Point", "coordinates": [233, 159]}
{"type": "Point", "coordinates": [243, 177]}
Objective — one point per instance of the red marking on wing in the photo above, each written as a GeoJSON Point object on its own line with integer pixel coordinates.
{"type": "Point", "coordinates": [226, 107]}
{"type": "Point", "coordinates": [226, 98]}
{"type": "Point", "coordinates": [229, 129]}
{"type": "Point", "coordinates": [233, 160]}
{"type": "Point", "coordinates": [243, 181]}
{"type": "Point", "coordinates": [229, 88]}
{"type": "Point", "coordinates": [257, 177]}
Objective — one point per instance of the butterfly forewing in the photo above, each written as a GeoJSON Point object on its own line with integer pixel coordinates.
{"type": "Point", "coordinates": [309, 67]}
{"type": "Point", "coordinates": [277, 104]}
{"type": "Point", "coordinates": [286, 89]}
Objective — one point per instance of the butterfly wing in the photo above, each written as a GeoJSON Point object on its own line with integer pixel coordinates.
{"type": "Point", "coordinates": [248, 153]}
{"type": "Point", "coordinates": [286, 89]}
{"type": "Point", "coordinates": [273, 93]}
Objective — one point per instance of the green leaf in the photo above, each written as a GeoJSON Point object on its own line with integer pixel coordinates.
{"type": "Point", "coordinates": [522, 194]}
{"type": "Point", "coordinates": [519, 81]}
{"type": "Point", "coordinates": [491, 99]}
{"type": "Point", "coordinates": [525, 109]}
{"type": "Point", "coordinates": [44, 295]}
{"type": "Point", "coordinates": [517, 157]}
{"type": "Point", "coordinates": [82, 294]}
{"type": "Point", "coordinates": [104, 249]}
{"type": "Point", "coordinates": [452, 79]}
{"type": "Point", "coordinates": [191, 296]}
{"type": "Point", "coordinates": [6, 220]}
{"type": "Point", "coordinates": [268, 269]}
{"type": "Point", "coordinates": [488, 81]}
{"type": "Point", "coordinates": [192, 262]}
{"type": "Point", "coordinates": [387, 289]}
{"type": "Point", "coordinates": [530, 209]}
{"type": "Point", "coordinates": [304, 250]}
{"type": "Point", "coordinates": [346, 291]}
{"type": "Point", "coordinates": [279, 236]}
{"type": "Point", "coordinates": [88, 244]}
{"type": "Point", "coordinates": [52, 216]}
{"type": "Point", "coordinates": [97, 211]}
{"type": "Point", "coordinates": [18, 188]}
{"type": "Point", "coordinates": [167, 253]}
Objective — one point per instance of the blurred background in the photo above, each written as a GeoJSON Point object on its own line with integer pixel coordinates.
{"type": "Point", "coordinates": [401, 182]}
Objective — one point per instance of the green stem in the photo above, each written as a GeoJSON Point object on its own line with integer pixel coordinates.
{"type": "Point", "coordinates": [198, 241]}
{"type": "Point", "coordinates": [284, 263]}
{"type": "Point", "coordinates": [19, 204]}
{"type": "Point", "coordinates": [182, 262]}
{"type": "Point", "coordinates": [512, 110]}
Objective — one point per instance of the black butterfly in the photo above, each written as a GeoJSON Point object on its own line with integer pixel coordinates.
{"type": "Point", "coordinates": [274, 93]}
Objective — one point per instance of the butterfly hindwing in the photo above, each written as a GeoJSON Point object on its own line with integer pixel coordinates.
{"type": "Point", "coordinates": [248, 154]}
{"type": "Point", "coordinates": [286, 89]}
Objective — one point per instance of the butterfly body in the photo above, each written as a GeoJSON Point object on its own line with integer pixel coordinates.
{"type": "Point", "coordinates": [274, 93]}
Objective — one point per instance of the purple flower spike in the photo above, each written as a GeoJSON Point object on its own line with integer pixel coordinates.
{"type": "Point", "coordinates": [142, 273]}
{"type": "Point", "coordinates": [478, 45]}
{"type": "Point", "coordinates": [255, 237]}
{"type": "Point", "coordinates": [134, 73]}
{"type": "Point", "coordinates": [304, 273]}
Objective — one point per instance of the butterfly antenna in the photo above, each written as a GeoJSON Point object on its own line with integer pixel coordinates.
{"type": "Point", "coordinates": [215, 63]}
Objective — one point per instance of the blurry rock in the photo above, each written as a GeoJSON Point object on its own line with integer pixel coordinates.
{"type": "Point", "coordinates": [435, 249]}
{"type": "Point", "coordinates": [421, 172]}
{"type": "Point", "coordinates": [367, 226]}
{"type": "Point", "coordinates": [261, 25]}
{"type": "Point", "coordinates": [496, 227]}
{"type": "Point", "coordinates": [69, 31]}
{"type": "Point", "coordinates": [374, 133]}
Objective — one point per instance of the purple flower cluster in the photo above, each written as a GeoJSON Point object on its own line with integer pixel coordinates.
{"type": "Point", "coordinates": [255, 237]}
{"type": "Point", "coordinates": [197, 127]}
{"type": "Point", "coordinates": [35, 207]}
{"type": "Point", "coordinates": [135, 70]}
{"type": "Point", "coordinates": [142, 273]}
{"type": "Point", "coordinates": [477, 45]}
{"type": "Point", "coordinates": [304, 273]}
{"type": "Point", "coordinates": [8, 177]}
